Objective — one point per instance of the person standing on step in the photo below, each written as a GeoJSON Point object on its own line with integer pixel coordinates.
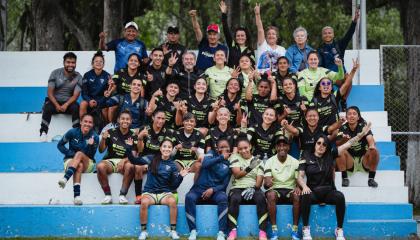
{"type": "Point", "coordinates": [115, 161]}
{"type": "Point", "coordinates": [363, 155]}
{"type": "Point", "coordinates": [318, 166]}
{"type": "Point", "coordinates": [64, 86]}
{"type": "Point", "coordinates": [162, 178]}
{"type": "Point", "coordinates": [210, 187]}
{"type": "Point", "coordinates": [79, 156]}
{"type": "Point", "coordinates": [173, 47]}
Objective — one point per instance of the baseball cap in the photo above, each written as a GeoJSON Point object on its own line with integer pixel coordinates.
{"type": "Point", "coordinates": [173, 29]}
{"type": "Point", "coordinates": [131, 24]}
{"type": "Point", "coordinates": [213, 27]}
{"type": "Point", "coordinates": [282, 138]}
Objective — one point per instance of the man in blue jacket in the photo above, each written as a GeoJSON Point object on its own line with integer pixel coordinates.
{"type": "Point", "coordinates": [210, 187]}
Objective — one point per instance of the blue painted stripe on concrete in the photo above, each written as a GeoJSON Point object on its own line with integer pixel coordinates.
{"type": "Point", "coordinates": [386, 148]}
{"type": "Point", "coordinates": [22, 99]}
{"type": "Point", "coordinates": [44, 157]}
{"type": "Point", "coordinates": [114, 221]}
{"type": "Point", "coordinates": [367, 97]}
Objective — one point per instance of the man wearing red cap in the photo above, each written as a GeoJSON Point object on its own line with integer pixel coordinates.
{"type": "Point", "coordinates": [206, 46]}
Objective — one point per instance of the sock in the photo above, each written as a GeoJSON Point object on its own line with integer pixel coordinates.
{"type": "Point", "coordinates": [76, 189]}
{"type": "Point", "coordinates": [295, 228]}
{"type": "Point", "coordinates": [137, 186]}
{"type": "Point", "coordinates": [143, 227]}
{"type": "Point", "coordinates": [372, 174]}
{"type": "Point", "coordinates": [70, 171]}
{"type": "Point", "coordinates": [274, 227]}
{"type": "Point", "coordinates": [123, 191]}
{"type": "Point", "coordinates": [344, 174]}
{"type": "Point", "coordinates": [173, 227]}
{"type": "Point", "coordinates": [107, 190]}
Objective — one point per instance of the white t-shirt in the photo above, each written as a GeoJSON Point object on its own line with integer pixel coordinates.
{"type": "Point", "coordinates": [267, 56]}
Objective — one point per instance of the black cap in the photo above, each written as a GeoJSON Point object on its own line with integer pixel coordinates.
{"type": "Point", "coordinates": [173, 29]}
{"type": "Point", "coordinates": [282, 138]}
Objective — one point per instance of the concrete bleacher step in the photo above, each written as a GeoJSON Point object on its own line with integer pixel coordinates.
{"type": "Point", "coordinates": [383, 178]}
{"type": "Point", "coordinates": [42, 188]}
{"type": "Point", "coordinates": [367, 97]}
{"type": "Point", "coordinates": [99, 221]}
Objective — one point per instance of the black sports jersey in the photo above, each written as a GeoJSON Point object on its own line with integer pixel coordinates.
{"type": "Point", "coordinates": [359, 148]}
{"type": "Point", "coordinates": [123, 80]}
{"type": "Point", "coordinates": [159, 80]}
{"type": "Point", "coordinates": [318, 171]}
{"type": "Point", "coordinates": [307, 137]}
{"type": "Point", "coordinates": [296, 114]}
{"type": "Point", "coordinates": [327, 108]}
{"type": "Point", "coordinates": [153, 140]}
{"type": "Point", "coordinates": [215, 134]}
{"type": "Point", "coordinates": [174, 48]}
{"type": "Point", "coordinates": [256, 108]}
{"type": "Point", "coordinates": [186, 81]}
{"type": "Point", "coordinates": [200, 110]}
{"type": "Point", "coordinates": [116, 143]}
{"type": "Point", "coordinates": [196, 139]}
{"type": "Point", "coordinates": [168, 107]}
{"type": "Point", "coordinates": [279, 81]}
{"type": "Point", "coordinates": [230, 105]}
{"type": "Point", "coordinates": [264, 141]}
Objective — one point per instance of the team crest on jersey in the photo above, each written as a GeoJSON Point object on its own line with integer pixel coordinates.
{"type": "Point", "coordinates": [102, 80]}
{"type": "Point", "coordinates": [137, 105]}
{"type": "Point", "coordinates": [137, 49]}
{"type": "Point", "coordinates": [270, 136]}
{"type": "Point", "coordinates": [160, 138]}
{"type": "Point", "coordinates": [167, 168]}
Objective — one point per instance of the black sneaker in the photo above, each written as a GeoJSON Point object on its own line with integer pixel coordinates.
{"type": "Point", "coordinates": [345, 182]}
{"type": "Point", "coordinates": [372, 183]}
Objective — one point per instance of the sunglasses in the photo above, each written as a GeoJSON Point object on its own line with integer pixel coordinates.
{"type": "Point", "coordinates": [326, 83]}
{"type": "Point", "coordinates": [321, 143]}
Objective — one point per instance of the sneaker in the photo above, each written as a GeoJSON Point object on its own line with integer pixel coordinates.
{"type": "Point", "coordinates": [107, 200]}
{"type": "Point", "coordinates": [339, 234]}
{"type": "Point", "coordinates": [372, 183]}
{"type": "Point", "coordinates": [274, 234]}
{"type": "Point", "coordinates": [56, 138]}
{"type": "Point", "coordinates": [306, 232]}
{"type": "Point", "coordinates": [193, 235]}
{"type": "Point", "coordinates": [77, 201]}
{"type": "Point", "coordinates": [138, 200]}
{"type": "Point", "coordinates": [62, 182]}
{"type": "Point", "coordinates": [143, 235]}
{"type": "Point", "coordinates": [345, 182]}
{"type": "Point", "coordinates": [123, 199]}
{"type": "Point", "coordinates": [295, 235]}
{"type": "Point", "coordinates": [43, 137]}
{"type": "Point", "coordinates": [262, 235]}
{"type": "Point", "coordinates": [220, 236]}
{"type": "Point", "coordinates": [173, 234]}
{"type": "Point", "coordinates": [232, 235]}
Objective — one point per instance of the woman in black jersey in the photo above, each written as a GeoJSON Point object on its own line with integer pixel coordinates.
{"type": "Point", "coordinates": [115, 160]}
{"type": "Point", "coordinates": [231, 99]}
{"type": "Point", "coordinates": [318, 164]}
{"type": "Point", "coordinates": [245, 73]}
{"type": "Point", "coordinates": [263, 135]}
{"type": "Point", "coordinates": [123, 77]}
{"type": "Point", "coordinates": [221, 130]}
{"type": "Point", "coordinates": [240, 44]}
{"type": "Point", "coordinates": [283, 73]}
{"type": "Point", "coordinates": [199, 105]}
{"type": "Point", "coordinates": [149, 140]}
{"type": "Point", "coordinates": [292, 104]}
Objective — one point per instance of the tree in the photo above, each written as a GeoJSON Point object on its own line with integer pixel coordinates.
{"type": "Point", "coordinates": [3, 25]}
{"type": "Point", "coordinates": [112, 16]}
{"type": "Point", "coordinates": [48, 27]}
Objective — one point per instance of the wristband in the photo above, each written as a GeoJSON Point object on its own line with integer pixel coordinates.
{"type": "Point", "coordinates": [248, 169]}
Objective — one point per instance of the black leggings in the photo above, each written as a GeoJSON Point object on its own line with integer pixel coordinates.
{"type": "Point", "coordinates": [235, 200]}
{"type": "Point", "coordinates": [323, 195]}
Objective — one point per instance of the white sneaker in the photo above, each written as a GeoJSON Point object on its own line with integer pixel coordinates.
{"type": "Point", "coordinates": [306, 232]}
{"type": "Point", "coordinates": [339, 234]}
{"type": "Point", "coordinates": [143, 235]}
{"type": "Point", "coordinates": [107, 200]}
{"type": "Point", "coordinates": [43, 137]}
{"type": "Point", "coordinates": [62, 182]}
{"type": "Point", "coordinates": [220, 236]}
{"type": "Point", "coordinates": [77, 201]}
{"type": "Point", "coordinates": [123, 199]}
{"type": "Point", "coordinates": [173, 235]}
{"type": "Point", "coordinates": [193, 235]}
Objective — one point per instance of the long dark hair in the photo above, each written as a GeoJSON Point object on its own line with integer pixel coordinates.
{"type": "Point", "coordinates": [317, 92]}
{"type": "Point", "coordinates": [326, 160]}
{"type": "Point", "coordinates": [154, 165]}
{"type": "Point", "coordinates": [248, 42]}
{"type": "Point", "coordinates": [355, 108]}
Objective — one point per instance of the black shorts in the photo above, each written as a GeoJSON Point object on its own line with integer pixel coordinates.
{"type": "Point", "coordinates": [284, 195]}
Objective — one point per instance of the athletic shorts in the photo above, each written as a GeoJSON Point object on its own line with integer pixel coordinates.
{"type": "Point", "coordinates": [185, 163]}
{"type": "Point", "coordinates": [157, 197]}
{"type": "Point", "coordinates": [113, 162]}
{"type": "Point", "coordinates": [358, 165]}
{"type": "Point", "coordinates": [283, 194]}
{"type": "Point", "coordinates": [89, 169]}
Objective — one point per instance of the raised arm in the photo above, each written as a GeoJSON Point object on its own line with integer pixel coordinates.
{"type": "Point", "coordinates": [258, 22]}
{"type": "Point", "coordinates": [357, 138]}
{"type": "Point", "coordinates": [349, 78]}
{"type": "Point", "coordinates": [226, 30]}
{"type": "Point", "coordinates": [102, 44]}
{"type": "Point", "coordinates": [196, 26]}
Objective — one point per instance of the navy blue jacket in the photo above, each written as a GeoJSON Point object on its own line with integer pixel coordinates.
{"type": "Point", "coordinates": [137, 108]}
{"type": "Point", "coordinates": [215, 173]}
{"type": "Point", "coordinates": [78, 142]}
{"type": "Point", "coordinates": [94, 86]}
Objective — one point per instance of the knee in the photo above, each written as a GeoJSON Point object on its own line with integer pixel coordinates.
{"type": "Point", "coordinates": [305, 198]}
{"type": "Point", "coordinates": [190, 197]}
{"type": "Point", "coordinates": [197, 166]}
{"type": "Point", "coordinates": [295, 199]}
{"type": "Point", "coordinates": [235, 199]}
{"type": "Point", "coordinates": [259, 196]}
{"type": "Point", "coordinates": [171, 202]}
{"type": "Point", "coordinates": [84, 104]}
{"type": "Point", "coordinates": [80, 168]}
{"type": "Point", "coordinates": [271, 197]}
{"type": "Point", "coordinates": [128, 167]}
{"type": "Point", "coordinates": [222, 198]}
{"type": "Point", "coordinates": [339, 196]}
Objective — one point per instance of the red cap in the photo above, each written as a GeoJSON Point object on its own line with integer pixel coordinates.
{"type": "Point", "coordinates": [213, 27]}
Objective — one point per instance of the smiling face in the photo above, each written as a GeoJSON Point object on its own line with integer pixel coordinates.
{"type": "Point", "coordinates": [189, 124]}
{"type": "Point", "coordinates": [312, 117]}
{"type": "Point", "coordinates": [269, 116]}
{"type": "Point", "coordinates": [200, 86]}
{"type": "Point", "coordinates": [173, 37]}
{"type": "Point", "coordinates": [325, 86]}
{"type": "Point", "coordinates": [282, 149]}
{"type": "Point", "coordinates": [212, 37]}
{"type": "Point", "coordinates": [300, 38]}
{"type": "Point", "coordinates": [244, 63]}
{"type": "Point", "coordinates": [271, 36]}
{"type": "Point", "coordinates": [223, 116]}
{"type": "Point", "coordinates": [240, 37]}
{"type": "Point", "coordinates": [166, 149]}
{"type": "Point", "coordinates": [283, 65]}
{"type": "Point", "coordinates": [220, 57]}
{"type": "Point", "coordinates": [313, 60]}
{"type": "Point", "coordinates": [157, 58]}
{"type": "Point", "coordinates": [320, 146]}
{"type": "Point", "coordinates": [86, 124]}
{"type": "Point", "coordinates": [233, 86]}
{"type": "Point", "coordinates": [289, 86]}
{"type": "Point", "coordinates": [159, 119]}
{"type": "Point", "coordinates": [172, 89]}
{"type": "Point", "coordinates": [130, 34]}
{"type": "Point", "coordinates": [124, 121]}
{"type": "Point", "coordinates": [133, 62]}
{"type": "Point", "coordinates": [98, 63]}
{"type": "Point", "coordinates": [188, 60]}
{"type": "Point", "coordinates": [223, 146]}
{"type": "Point", "coordinates": [135, 86]}
{"type": "Point", "coordinates": [263, 88]}
{"type": "Point", "coordinates": [328, 35]}
{"type": "Point", "coordinates": [69, 65]}
{"type": "Point", "coordinates": [352, 116]}
{"type": "Point", "coordinates": [244, 149]}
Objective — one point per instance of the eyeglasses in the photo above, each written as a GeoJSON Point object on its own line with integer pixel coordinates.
{"type": "Point", "coordinates": [326, 83]}
{"type": "Point", "coordinates": [321, 143]}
